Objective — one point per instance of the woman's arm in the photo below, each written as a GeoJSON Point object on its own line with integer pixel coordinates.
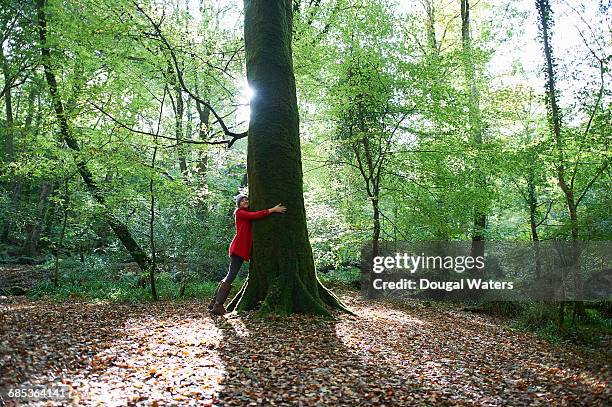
{"type": "Point", "coordinates": [244, 214]}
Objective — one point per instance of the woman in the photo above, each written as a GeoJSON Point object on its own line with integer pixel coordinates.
{"type": "Point", "coordinates": [240, 249]}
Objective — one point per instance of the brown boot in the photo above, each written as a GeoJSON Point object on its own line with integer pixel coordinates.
{"type": "Point", "coordinates": [214, 297]}
{"type": "Point", "coordinates": [224, 289]}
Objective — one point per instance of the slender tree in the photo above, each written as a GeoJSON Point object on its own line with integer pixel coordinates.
{"type": "Point", "coordinates": [475, 120]}
{"type": "Point", "coordinates": [120, 229]}
{"type": "Point", "coordinates": [9, 133]}
{"type": "Point", "coordinates": [368, 126]}
{"type": "Point", "coordinates": [432, 42]}
{"type": "Point", "coordinates": [566, 182]}
{"type": "Point", "coordinates": [573, 198]}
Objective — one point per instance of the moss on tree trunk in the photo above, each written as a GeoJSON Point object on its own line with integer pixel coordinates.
{"type": "Point", "coordinates": [282, 278]}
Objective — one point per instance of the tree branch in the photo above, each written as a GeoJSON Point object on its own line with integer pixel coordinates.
{"type": "Point", "coordinates": [597, 174]}
{"type": "Point", "coordinates": [588, 127]}
{"type": "Point", "coordinates": [230, 142]}
{"type": "Point", "coordinates": [550, 203]}
{"type": "Point", "coordinates": [179, 73]}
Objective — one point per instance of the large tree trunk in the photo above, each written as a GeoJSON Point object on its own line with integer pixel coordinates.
{"type": "Point", "coordinates": [282, 277]}
{"type": "Point", "coordinates": [120, 229]}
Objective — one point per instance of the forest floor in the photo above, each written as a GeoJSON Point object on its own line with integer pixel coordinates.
{"type": "Point", "coordinates": [175, 353]}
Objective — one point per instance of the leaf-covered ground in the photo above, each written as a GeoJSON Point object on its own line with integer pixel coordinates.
{"type": "Point", "coordinates": [176, 354]}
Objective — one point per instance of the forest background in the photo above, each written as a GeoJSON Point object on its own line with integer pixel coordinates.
{"type": "Point", "coordinates": [418, 121]}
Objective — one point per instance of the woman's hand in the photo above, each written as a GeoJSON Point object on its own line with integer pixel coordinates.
{"type": "Point", "coordinates": [278, 208]}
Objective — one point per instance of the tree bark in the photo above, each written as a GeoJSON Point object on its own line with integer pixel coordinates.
{"type": "Point", "coordinates": [533, 204]}
{"type": "Point", "coordinates": [120, 229]}
{"type": "Point", "coordinates": [36, 225]}
{"type": "Point", "coordinates": [282, 278]}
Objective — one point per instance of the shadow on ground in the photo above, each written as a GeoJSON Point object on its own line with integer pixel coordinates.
{"type": "Point", "coordinates": [398, 354]}
{"type": "Point", "coordinates": [174, 353]}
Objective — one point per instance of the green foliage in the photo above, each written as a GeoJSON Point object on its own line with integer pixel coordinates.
{"type": "Point", "coordinates": [589, 329]}
{"type": "Point", "coordinates": [342, 276]}
{"type": "Point", "coordinates": [100, 278]}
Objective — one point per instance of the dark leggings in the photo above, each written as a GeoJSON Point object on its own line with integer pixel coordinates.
{"type": "Point", "coordinates": [234, 267]}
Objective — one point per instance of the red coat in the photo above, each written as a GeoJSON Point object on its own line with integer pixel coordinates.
{"type": "Point", "coordinates": [242, 242]}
